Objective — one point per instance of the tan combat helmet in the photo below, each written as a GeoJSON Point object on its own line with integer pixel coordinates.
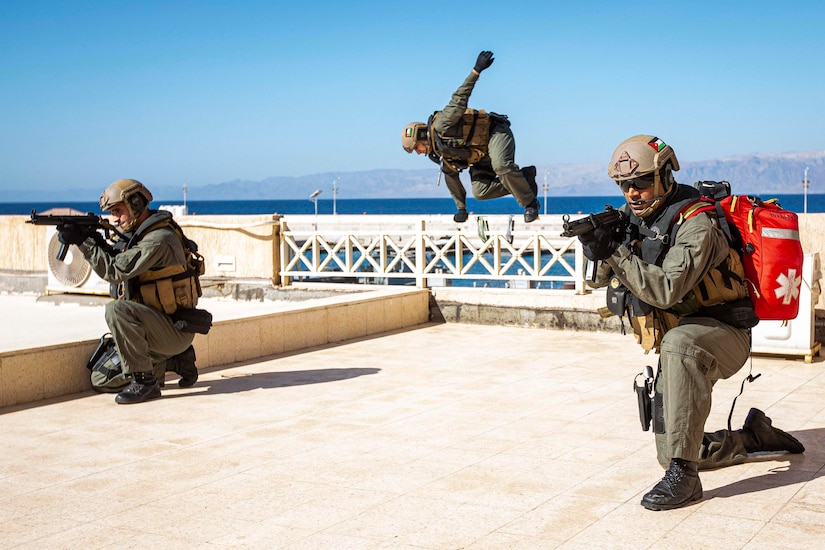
{"type": "Point", "coordinates": [131, 193]}
{"type": "Point", "coordinates": [642, 155]}
{"type": "Point", "coordinates": [412, 134]}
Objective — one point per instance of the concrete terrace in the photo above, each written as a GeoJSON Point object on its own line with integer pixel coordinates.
{"type": "Point", "coordinates": [440, 436]}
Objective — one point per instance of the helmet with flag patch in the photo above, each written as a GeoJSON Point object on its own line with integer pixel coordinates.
{"type": "Point", "coordinates": [412, 134]}
{"type": "Point", "coordinates": [640, 156]}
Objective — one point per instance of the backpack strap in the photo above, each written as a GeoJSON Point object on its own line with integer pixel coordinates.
{"type": "Point", "coordinates": [732, 233]}
{"type": "Point", "coordinates": [472, 131]}
{"type": "Point", "coordinates": [690, 210]}
{"type": "Point", "coordinates": [705, 205]}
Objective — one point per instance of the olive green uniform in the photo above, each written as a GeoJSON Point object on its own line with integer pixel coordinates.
{"type": "Point", "coordinates": [144, 336]}
{"type": "Point", "coordinates": [696, 353]}
{"type": "Point", "coordinates": [497, 174]}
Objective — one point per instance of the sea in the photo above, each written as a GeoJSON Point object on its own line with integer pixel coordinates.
{"type": "Point", "coordinates": [505, 205]}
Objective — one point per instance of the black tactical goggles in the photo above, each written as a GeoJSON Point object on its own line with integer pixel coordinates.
{"type": "Point", "coordinates": [642, 182]}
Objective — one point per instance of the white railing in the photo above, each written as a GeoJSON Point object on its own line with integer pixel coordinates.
{"type": "Point", "coordinates": [432, 254]}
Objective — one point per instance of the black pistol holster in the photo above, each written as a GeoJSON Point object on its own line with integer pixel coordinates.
{"type": "Point", "coordinates": [643, 384]}
{"type": "Point", "coordinates": [651, 405]}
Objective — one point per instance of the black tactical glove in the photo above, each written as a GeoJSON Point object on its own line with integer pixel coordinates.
{"type": "Point", "coordinates": [460, 216]}
{"type": "Point", "coordinates": [485, 59]}
{"type": "Point", "coordinates": [72, 234]}
{"type": "Point", "coordinates": [101, 242]}
{"type": "Point", "coordinates": [601, 243]}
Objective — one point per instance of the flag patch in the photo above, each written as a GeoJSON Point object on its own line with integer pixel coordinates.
{"type": "Point", "coordinates": [657, 144]}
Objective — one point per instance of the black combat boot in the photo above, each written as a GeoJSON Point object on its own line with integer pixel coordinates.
{"type": "Point", "coordinates": [184, 365]}
{"type": "Point", "coordinates": [460, 216]}
{"type": "Point", "coordinates": [679, 487]}
{"type": "Point", "coordinates": [759, 435]}
{"type": "Point", "coordinates": [529, 173]}
{"type": "Point", "coordinates": [144, 386]}
{"type": "Point", "coordinates": [531, 211]}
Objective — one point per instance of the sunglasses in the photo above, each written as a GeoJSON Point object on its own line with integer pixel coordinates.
{"type": "Point", "coordinates": [640, 183]}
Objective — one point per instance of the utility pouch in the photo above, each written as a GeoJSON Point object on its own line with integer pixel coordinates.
{"type": "Point", "coordinates": [643, 384]}
{"type": "Point", "coordinates": [192, 320]}
{"type": "Point", "coordinates": [617, 295]}
{"type": "Point", "coordinates": [651, 328]}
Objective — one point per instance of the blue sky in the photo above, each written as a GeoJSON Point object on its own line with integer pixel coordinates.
{"type": "Point", "coordinates": [207, 92]}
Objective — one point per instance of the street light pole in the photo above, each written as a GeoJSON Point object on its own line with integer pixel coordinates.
{"type": "Point", "coordinates": [314, 198]}
{"type": "Point", "coordinates": [185, 211]}
{"type": "Point", "coordinates": [545, 186]}
{"type": "Point", "coordinates": [334, 196]}
{"type": "Point", "coordinates": [805, 184]}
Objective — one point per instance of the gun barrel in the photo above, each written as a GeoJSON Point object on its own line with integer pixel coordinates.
{"type": "Point", "coordinates": [89, 220]}
{"type": "Point", "coordinates": [610, 218]}
{"type": "Point", "coordinates": [57, 219]}
{"type": "Point", "coordinates": [577, 227]}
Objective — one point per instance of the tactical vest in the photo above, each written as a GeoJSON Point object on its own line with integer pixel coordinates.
{"type": "Point", "coordinates": [174, 287]}
{"type": "Point", "coordinates": [460, 152]}
{"type": "Point", "coordinates": [721, 294]}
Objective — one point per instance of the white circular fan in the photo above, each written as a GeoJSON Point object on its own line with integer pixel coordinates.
{"type": "Point", "coordinates": [74, 271]}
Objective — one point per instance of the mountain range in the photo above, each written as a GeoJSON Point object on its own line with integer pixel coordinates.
{"type": "Point", "coordinates": [755, 174]}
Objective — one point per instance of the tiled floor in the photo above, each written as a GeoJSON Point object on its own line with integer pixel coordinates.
{"type": "Point", "coordinates": [443, 437]}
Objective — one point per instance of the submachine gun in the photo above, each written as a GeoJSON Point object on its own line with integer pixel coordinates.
{"type": "Point", "coordinates": [610, 219]}
{"type": "Point", "coordinates": [89, 220]}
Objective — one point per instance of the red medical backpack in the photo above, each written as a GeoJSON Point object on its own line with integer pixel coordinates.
{"type": "Point", "coordinates": [767, 237]}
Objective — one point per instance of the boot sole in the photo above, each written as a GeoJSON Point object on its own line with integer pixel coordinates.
{"type": "Point", "coordinates": [130, 401]}
{"type": "Point", "coordinates": [657, 507]}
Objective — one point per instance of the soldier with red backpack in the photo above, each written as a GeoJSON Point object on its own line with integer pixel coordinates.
{"type": "Point", "coordinates": [684, 290]}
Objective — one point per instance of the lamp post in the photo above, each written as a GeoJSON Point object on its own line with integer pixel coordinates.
{"type": "Point", "coordinates": [185, 211]}
{"type": "Point", "coordinates": [546, 187]}
{"type": "Point", "coordinates": [314, 198]}
{"type": "Point", "coordinates": [334, 196]}
{"type": "Point", "coordinates": [805, 185]}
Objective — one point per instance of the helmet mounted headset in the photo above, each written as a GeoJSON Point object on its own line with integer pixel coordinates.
{"type": "Point", "coordinates": [132, 194]}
